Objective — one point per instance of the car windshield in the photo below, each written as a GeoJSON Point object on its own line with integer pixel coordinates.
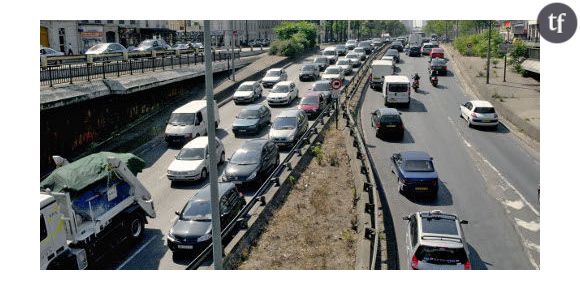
{"type": "Point", "coordinates": [440, 255]}
{"type": "Point", "coordinates": [352, 56]}
{"type": "Point", "coordinates": [437, 61]}
{"type": "Point", "coordinates": [273, 73]}
{"type": "Point", "coordinates": [329, 52]}
{"type": "Point", "coordinates": [285, 123]}
{"type": "Point", "coordinates": [321, 87]}
{"type": "Point", "coordinates": [249, 114]}
{"type": "Point", "coordinates": [398, 88]}
{"type": "Point", "coordinates": [390, 119]}
{"type": "Point", "coordinates": [320, 60]}
{"type": "Point", "coordinates": [146, 43]}
{"type": "Point", "coordinates": [397, 43]}
{"type": "Point", "coordinates": [343, 62]}
{"type": "Point", "coordinates": [98, 47]}
{"type": "Point", "coordinates": [181, 119]}
{"type": "Point", "coordinates": [308, 67]}
{"type": "Point", "coordinates": [359, 49]}
{"type": "Point", "coordinates": [280, 89]}
{"type": "Point", "coordinates": [245, 157]}
{"type": "Point", "coordinates": [246, 88]}
{"type": "Point", "coordinates": [310, 100]}
{"type": "Point", "coordinates": [191, 154]}
{"type": "Point", "coordinates": [332, 71]}
{"type": "Point", "coordinates": [392, 52]}
{"type": "Point", "coordinates": [196, 210]}
{"type": "Point", "coordinates": [418, 166]}
{"type": "Point", "coordinates": [484, 110]}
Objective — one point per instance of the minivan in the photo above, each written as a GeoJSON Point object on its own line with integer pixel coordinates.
{"type": "Point", "coordinates": [379, 70]}
{"type": "Point", "coordinates": [331, 54]}
{"type": "Point", "coordinates": [189, 121]}
{"type": "Point", "coordinates": [397, 90]}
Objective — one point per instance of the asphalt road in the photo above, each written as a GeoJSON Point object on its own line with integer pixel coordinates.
{"type": "Point", "coordinates": [489, 178]}
{"type": "Point", "coordinates": [152, 252]}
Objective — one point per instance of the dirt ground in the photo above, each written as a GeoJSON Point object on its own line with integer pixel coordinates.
{"type": "Point", "coordinates": [314, 227]}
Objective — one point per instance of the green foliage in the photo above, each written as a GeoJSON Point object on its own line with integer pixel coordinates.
{"type": "Point", "coordinates": [519, 50]}
{"type": "Point", "coordinates": [318, 154]}
{"type": "Point", "coordinates": [290, 47]}
{"type": "Point", "coordinates": [293, 38]}
{"type": "Point", "coordinates": [479, 43]}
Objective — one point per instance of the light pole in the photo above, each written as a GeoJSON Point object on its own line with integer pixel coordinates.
{"type": "Point", "coordinates": [233, 45]}
{"type": "Point", "coordinates": [488, 51]}
{"type": "Point", "coordinates": [216, 229]}
{"type": "Point", "coordinates": [505, 55]}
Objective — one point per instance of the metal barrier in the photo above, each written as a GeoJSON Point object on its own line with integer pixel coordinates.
{"type": "Point", "coordinates": [273, 179]}
{"type": "Point", "coordinates": [115, 66]}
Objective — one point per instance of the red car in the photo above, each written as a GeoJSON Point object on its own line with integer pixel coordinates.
{"type": "Point", "coordinates": [312, 104]}
{"type": "Point", "coordinates": [437, 52]}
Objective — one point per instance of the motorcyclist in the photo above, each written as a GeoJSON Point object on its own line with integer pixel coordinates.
{"type": "Point", "coordinates": [416, 77]}
{"type": "Point", "coordinates": [434, 73]}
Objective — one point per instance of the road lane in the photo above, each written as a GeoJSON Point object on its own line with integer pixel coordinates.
{"type": "Point", "coordinates": [432, 125]}
{"type": "Point", "coordinates": [155, 254]}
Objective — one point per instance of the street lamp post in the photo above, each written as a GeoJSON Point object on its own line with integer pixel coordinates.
{"type": "Point", "coordinates": [216, 229]}
{"type": "Point", "coordinates": [488, 51]}
{"type": "Point", "coordinates": [505, 55]}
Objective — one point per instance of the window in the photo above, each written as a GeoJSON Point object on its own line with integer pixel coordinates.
{"type": "Point", "coordinates": [413, 231]}
{"type": "Point", "coordinates": [43, 231]}
{"type": "Point", "coordinates": [121, 21]}
{"type": "Point", "coordinates": [199, 118]}
{"type": "Point", "coordinates": [110, 21]}
{"type": "Point", "coordinates": [97, 21]}
{"type": "Point", "coordinates": [132, 22]}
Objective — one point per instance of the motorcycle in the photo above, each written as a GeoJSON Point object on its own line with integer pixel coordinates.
{"type": "Point", "coordinates": [434, 81]}
{"type": "Point", "coordinates": [415, 85]}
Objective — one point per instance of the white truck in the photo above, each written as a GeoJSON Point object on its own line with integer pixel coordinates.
{"type": "Point", "coordinates": [89, 207]}
{"type": "Point", "coordinates": [379, 70]}
{"type": "Point", "coordinates": [415, 39]}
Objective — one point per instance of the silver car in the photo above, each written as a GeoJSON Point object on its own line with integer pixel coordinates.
{"type": "Point", "coordinates": [435, 241]}
{"type": "Point", "coordinates": [248, 92]}
{"type": "Point", "coordinates": [354, 58]}
{"type": "Point", "coordinates": [341, 49]}
{"type": "Point", "coordinates": [361, 52]}
{"type": "Point", "coordinates": [273, 76]}
{"type": "Point", "coordinates": [351, 44]}
{"type": "Point", "coordinates": [346, 65]}
{"type": "Point", "coordinates": [288, 127]}
{"type": "Point", "coordinates": [104, 51]}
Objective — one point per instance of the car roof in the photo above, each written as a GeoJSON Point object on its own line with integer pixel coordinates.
{"type": "Point", "coordinates": [479, 104]}
{"type": "Point", "coordinates": [321, 82]}
{"type": "Point", "coordinates": [290, 113]}
{"type": "Point", "coordinates": [382, 62]}
{"type": "Point", "coordinates": [415, 155]}
{"type": "Point", "coordinates": [198, 142]}
{"type": "Point", "coordinates": [397, 79]}
{"type": "Point", "coordinates": [192, 107]}
{"type": "Point", "coordinates": [254, 144]}
{"type": "Point", "coordinates": [388, 111]}
{"type": "Point", "coordinates": [312, 94]}
{"type": "Point", "coordinates": [275, 69]}
{"type": "Point", "coordinates": [436, 227]}
{"type": "Point", "coordinates": [284, 83]}
{"type": "Point", "coordinates": [437, 50]}
{"type": "Point", "coordinates": [249, 83]}
{"type": "Point", "coordinates": [333, 66]}
{"type": "Point", "coordinates": [205, 193]}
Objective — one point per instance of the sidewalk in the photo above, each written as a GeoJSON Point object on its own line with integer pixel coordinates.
{"type": "Point", "coordinates": [517, 100]}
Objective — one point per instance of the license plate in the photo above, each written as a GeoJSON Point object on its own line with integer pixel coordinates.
{"type": "Point", "coordinates": [486, 121]}
{"type": "Point", "coordinates": [421, 188]}
{"type": "Point", "coordinates": [242, 130]}
{"type": "Point", "coordinates": [237, 182]}
{"type": "Point", "coordinates": [391, 126]}
{"type": "Point", "coordinates": [185, 247]}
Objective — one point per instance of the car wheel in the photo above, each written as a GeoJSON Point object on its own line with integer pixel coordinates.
{"type": "Point", "coordinates": [469, 123]}
{"type": "Point", "coordinates": [222, 158]}
{"type": "Point", "coordinates": [136, 227]}
{"type": "Point", "coordinates": [203, 174]}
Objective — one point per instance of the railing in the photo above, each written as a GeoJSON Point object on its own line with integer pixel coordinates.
{"type": "Point", "coordinates": [534, 53]}
{"type": "Point", "coordinates": [116, 65]}
{"type": "Point", "coordinates": [274, 178]}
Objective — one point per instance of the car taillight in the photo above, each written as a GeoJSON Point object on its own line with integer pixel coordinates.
{"type": "Point", "coordinates": [445, 68]}
{"type": "Point", "coordinates": [434, 182]}
{"type": "Point", "coordinates": [474, 115]}
{"type": "Point", "coordinates": [414, 263]}
{"type": "Point", "coordinates": [467, 265]}
{"type": "Point", "coordinates": [378, 125]}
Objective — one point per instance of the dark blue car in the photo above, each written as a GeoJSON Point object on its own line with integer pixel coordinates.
{"type": "Point", "coordinates": [251, 120]}
{"type": "Point", "coordinates": [416, 173]}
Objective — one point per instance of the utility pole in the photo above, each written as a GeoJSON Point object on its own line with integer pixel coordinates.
{"type": "Point", "coordinates": [233, 46]}
{"type": "Point", "coordinates": [216, 228]}
{"type": "Point", "coordinates": [488, 51]}
{"type": "Point", "coordinates": [348, 33]}
{"type": "Point", "coordinates": [505, 55]}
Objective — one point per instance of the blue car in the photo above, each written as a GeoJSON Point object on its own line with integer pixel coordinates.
{"type": "Point", "coordinates": [251, 120]}
{"type": "Point", "coordinates": [416, 173]}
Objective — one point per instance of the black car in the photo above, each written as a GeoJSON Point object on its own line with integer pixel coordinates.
{"type": "Point", "coordinates": [397, 45]}
{"type": "Point", "coordinates": [192, 228]}
{"type": "Point", "coordinates": [252, 163]}
{"type": "Point", "coordinates": [309, 71]}
{"type": "Point", "coordinates": [251, 120]}
{"type": "Point", "coordinates": [414, 51]}
{"type": "Point", "coordinates": [388, 123]}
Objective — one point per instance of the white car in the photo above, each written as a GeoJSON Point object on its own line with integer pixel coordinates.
{"type": "Point", "coordinates": [248, 92]}
{"type": "Point", "coordinates": [479, 113]}
{"type": "Point", "coordinates": [345, 64]}
{"type": "Point", "coordinates": [283, 93]}
{"type": "Point", "coordinates": [192, 162]}
{"type": "Point", "coordinates": [333, 72]}
{"type": "Point", "coordinates": [388, 57]}
{"type": "Point", "coordinates": [274, 76]}
{"type": "Point", "coordinates": [354, 58]}
{"type": "Point", "coordinates": [362, 52]}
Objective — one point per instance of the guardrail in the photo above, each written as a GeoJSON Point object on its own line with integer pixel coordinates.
{"type": "Point", "coordinates": [70, 73]}
{"type": "Point", "coordinates": [274, 178]}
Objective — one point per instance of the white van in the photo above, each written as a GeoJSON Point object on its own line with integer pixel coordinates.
{"type": "Point", "coordinates": [189, 121]}
{"type": "Point", "coordinates": [397, 90]}
{"type": "Point", "coordinates": [379, 70]}
{"type": "Point", "coordinates": [331, 54]}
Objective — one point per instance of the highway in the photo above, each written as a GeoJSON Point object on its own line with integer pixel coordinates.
{"type": "Point", "coordinates": [152, 252]}
{"type": "Point", "coordinates": [489, 178]}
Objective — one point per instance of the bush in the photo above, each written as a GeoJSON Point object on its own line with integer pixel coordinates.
{"type": "Point", "coordinates": [288, 48]}
{"type": "Point", "coordinates": [479, 44]}
{"type": "Point", "coordinates": [293, 38]}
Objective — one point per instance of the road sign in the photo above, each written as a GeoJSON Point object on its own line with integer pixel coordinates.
{"type": "Point", "coordinates": [336, 84]}
{"type": "Point", "coordinates": [505, 47]}
{"type": "Point", "coordinates": [469, 46]}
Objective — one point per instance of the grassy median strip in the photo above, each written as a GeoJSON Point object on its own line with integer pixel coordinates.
{"type": "Point", "coordinates": [315, 228]}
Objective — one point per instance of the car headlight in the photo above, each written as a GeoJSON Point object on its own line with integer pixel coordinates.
{"type": "Point", "coordinates": [253, 175]}
{"type": "Point", "coordinates": [204, 238]}
{"type": "Point", "coordinates": [170, 236]}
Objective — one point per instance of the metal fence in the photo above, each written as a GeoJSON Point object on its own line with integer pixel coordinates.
{"type": "Point", "coordinates": [534, 53]}
{"type": "Point", "coordinates": [274, 178]}
{"type": "Point", "coordinates": [71, 73]}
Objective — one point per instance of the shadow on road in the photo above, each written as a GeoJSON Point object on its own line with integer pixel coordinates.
{"type": "Point", "coordinates": [444, 197]}
{"type": "Point", "coordinates": [476, 262]}
{"type": "Point", "coordinates": [501, 129]}
{"type": "Point", "coordinates": [415, 106]}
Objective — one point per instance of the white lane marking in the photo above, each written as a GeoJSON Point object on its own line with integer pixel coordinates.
{"type": "Point", "coordinates": [534, 210]}
{"type": "Point", "coordinates": [466, 143]}
{"type": "Point", "coordinates": [135, 254]}
{"type": "Point", "coordinates": [533, 246]}
{"type": "Point", "coordinates": [530, 226]}
{"type": "Point", "coordinates": [515, 204]}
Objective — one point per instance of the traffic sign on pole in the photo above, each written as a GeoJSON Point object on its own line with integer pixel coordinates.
{"type": "Point", "coordinates": [336, 84]}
